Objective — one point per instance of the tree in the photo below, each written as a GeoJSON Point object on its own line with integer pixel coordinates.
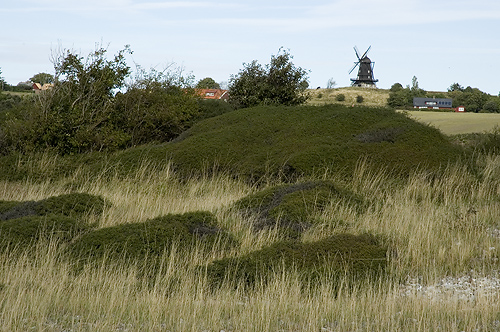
{"type": "Point", "coordinates": [157, 106]}
{"type": "Point", "coordinates": [75, 115]}
{"type": "Point", "coordinates": [455, 87]}
{"type": "Point", "coordinates": [331, 84]}
{"type": "Point", "coordinates": [207, 83]}
{"type": "Point", "coordinates": [2, 82]}
{"type": "Point", "coordinates": [278, 83]}
{"type": "Point", "coordinates": [396, 87]}
{"type": "Point", "coordinates": [42, 78]}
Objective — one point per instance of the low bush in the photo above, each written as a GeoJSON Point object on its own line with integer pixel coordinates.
{"type": "Point", "coordinates": [70, 205]}
{"type": "Point", "coordinates": [339, 256]}
{"type": "Point", "coordinates": [340, 97]}
{"type": "Point", "coordinates": [149, 240]}
{"type": "Point", "coordinates": [359, 99]}
{"type": "Point", "coordinates": [25, 231]}
{"type": "Point", "coordinates": [291, 206]}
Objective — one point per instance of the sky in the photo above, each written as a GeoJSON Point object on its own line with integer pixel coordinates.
{"type": "Point", "coordinates": [440, 42]}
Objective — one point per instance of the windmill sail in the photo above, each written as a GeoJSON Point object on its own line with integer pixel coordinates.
{"type": "Point", "coordinates": [365, 71]}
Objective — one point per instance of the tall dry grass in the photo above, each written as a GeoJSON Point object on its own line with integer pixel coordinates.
{"type": "Point", "coordinates": [435, 227]}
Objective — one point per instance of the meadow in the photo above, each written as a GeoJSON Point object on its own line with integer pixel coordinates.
{"type": "Point", "coordinates": [436, 229]}
{"type": "Point", "coordinates": [439, 227]}
{"type": "Point", "coordinates": [452, 123]}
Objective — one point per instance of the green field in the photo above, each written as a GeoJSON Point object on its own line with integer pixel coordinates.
{"type": "Point", "coordinates": [451, 123]}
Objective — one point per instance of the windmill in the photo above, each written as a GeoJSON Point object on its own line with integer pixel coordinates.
{"type": "Point", "coordinates": [365, 71]}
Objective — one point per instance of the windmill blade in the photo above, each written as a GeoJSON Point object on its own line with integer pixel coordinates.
{"type": "Point", "coordinates": [357, 53]}
{"type": "Point", "coordinates": [366, 52]}
{"type": "Point", "coordinates": [354, 67]}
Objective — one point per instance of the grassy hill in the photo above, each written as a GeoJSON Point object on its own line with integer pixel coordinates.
{"type": "Point", "coordinates": [296, 141]}
{"type": "Point", "coordinates": [371, 97]}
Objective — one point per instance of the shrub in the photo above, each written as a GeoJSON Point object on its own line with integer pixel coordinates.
{"type": "Point", "coordinates": [71, 205]}
{"type": "Point", "coordinates": [359, 99]}
{"type": "Point", "coordinates": [354, 256]}
{"type": "Point", "coordinates": [25, 231]}
{"type": "Point", "coordinates": [279, 83]}
{"type": "Point", "coordinates": [150, 239]}
{"type": "Point", "coordinates": [340, 97]}
{"type": "Point", "coordinates": [291, 206]}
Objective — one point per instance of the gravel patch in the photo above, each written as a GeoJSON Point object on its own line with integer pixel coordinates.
{"type": "Point", "coordinates": [466, 288]}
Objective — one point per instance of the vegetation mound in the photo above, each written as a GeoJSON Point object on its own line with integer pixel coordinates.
{"type": "Point", "coordinates": [150, 239]}
{"type": "Point", "coordinates": [72, 205]}
{"type": "Point", "coordinates": [26, 231]}
{"type": "Point", "coordinates": [304, 140]}
{"type": "Point", "coordinates": [55, 218]}
{"type": "Point", "coordinates": [354, 256]}
{"type": "Point", "coordinates": [291, 206]}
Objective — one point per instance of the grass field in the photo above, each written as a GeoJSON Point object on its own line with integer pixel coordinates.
{"type": "Point", "coordinates": [441, 232]}
{"type": "Point", "coordinates": [452, 123]}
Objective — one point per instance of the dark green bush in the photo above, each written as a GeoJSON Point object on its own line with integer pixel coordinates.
{"type": "Point", "coordinates": [340, 97]}
{"type": "Point", "coordinates": [359, 99]}
{"type": "Point", "coordinates": [291, 206]}
{"type": "Point", "coordinates": [354, 256]}
{"type": "Point", "coordinates": [305, 140]}
{"type": "Point", "coordinates": [25, 231]}
{"type": "Point", "coordinates": [7, 205]}
{"type": "Point", "coordinates": [71, 205]}
{"type": "Point", "coordinates": [150, 239]}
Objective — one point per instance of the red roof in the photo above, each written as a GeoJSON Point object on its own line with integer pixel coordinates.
{"type": "Point", "coordinates": [212, 93]}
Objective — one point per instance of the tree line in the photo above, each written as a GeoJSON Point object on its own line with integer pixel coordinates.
{"type": "Point", "coordinates": [473, 99]}
{"type": "Point", "coordinates": [96, 105]}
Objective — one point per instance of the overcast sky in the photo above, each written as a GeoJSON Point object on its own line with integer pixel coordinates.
{"type": "Point", "coordinates": [438, 41]}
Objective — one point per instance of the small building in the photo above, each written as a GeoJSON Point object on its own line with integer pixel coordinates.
{"type": "Point", "coordinates": [434, 103]}
{"type": "Point", "coordinates": [213, 94]}
{"type": "Point", "coordinates": [37, 87]}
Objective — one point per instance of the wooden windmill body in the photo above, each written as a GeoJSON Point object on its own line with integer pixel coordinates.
{"type": "Point", "coordinates": [365, 72]}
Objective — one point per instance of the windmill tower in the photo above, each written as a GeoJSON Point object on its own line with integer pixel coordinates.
{"type": "Point", "coordinates": [365, 71]}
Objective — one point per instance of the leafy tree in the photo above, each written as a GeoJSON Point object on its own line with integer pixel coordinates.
{"type": "Point", "coordinates": [42, 78]}
{"type": "Point", "coordinates": [157, 106]}
{"type": "Point", "coordinates": [473, 99]}
{"type": "Point", "coordinates": [278, 83]}
{"type": "Point", "coordinates": [207, 83]}
{"type": "Point", "coordinates": [455, 87]}
{"type": "Point", "coordinates": [75, 115]}
{"type": "Point", "coordinates": [492, 105]}
{"type": "Point", "coordinates": [396, 87]}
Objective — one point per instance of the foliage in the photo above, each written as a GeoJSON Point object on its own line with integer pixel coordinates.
{"type": "Point", "coordinates": [492, 105]}
{"type": "Point", "coordinates": [209, 108]}
{"type": "Point", "coordinates": [28, 230]}
{"type": "Point", "coordinates": [295, 141]}
{"type": "Point", "coordinates": [207, 83]}
{"type": "Point", "coordinates": [85, 111]}
{"type": "Point", "coordinates": [340, 97]}
{"type": "Point", "coordinates": [74, 115]}
{"type": "Point", "coordinates": [455, 87]}
{"type": "Point", "coordinates": [292, 207]}
{"type": "Point", "coordinates": [151, 239]}
{"type": "Point", "coordinates": [278, 83]}
{"type": "Point", "coordinates": [58, 218]}
{"type": "Point", "coordinates": [42, 78]}
{"type": "Point", "coordinates": [158, 106]}
{"type": "Point", "coordinates": [359, 99]}
{"type": "Point", "coordinates": [338, 256]}
{"type": "Point", "coordinates": [473, 99]}
{"type": "Point", "coordinates": [71, 205]}
{"type": "Point", "coordinates": [396, 87]}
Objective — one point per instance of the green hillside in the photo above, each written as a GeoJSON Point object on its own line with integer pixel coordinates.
{"type": "Point", "coordinates": [306, 140]}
